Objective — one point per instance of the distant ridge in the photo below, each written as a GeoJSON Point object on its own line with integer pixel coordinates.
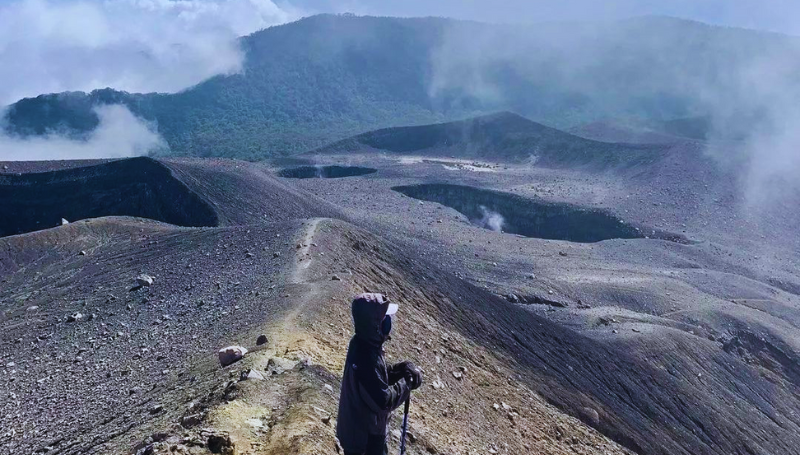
{"type": "Point", "coordinates": [327, 77]}
{"type": "Point", "coordinates": [501, 137]}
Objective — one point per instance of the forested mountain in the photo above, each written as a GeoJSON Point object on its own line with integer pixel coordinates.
{"type": "Point", "coordinates": [327, 77]}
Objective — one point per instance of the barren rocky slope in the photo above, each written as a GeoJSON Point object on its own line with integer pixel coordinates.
{"type": "Point", "coordinates": [674, 344]}
{"type": "Point", "coordinates": [691, 346]}
{"type": "Point", "coordinates": [98, 364]}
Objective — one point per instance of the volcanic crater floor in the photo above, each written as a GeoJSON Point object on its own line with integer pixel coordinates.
{"type": "Point", "coordinates": [658, 320]}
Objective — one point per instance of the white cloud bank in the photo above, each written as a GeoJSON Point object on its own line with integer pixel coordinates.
{"type": "Point", "coordinates": [51, 46]}
{"type": "Point", "coordinates": [120, 134]}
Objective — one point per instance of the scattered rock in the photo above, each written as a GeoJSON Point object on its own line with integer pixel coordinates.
{"type": "Point", "coordinates": [328, 388]}
{"type": "Point", "coordinates": [191, 420]}
{"type": "Point", "coordinates": [512, 298]}
{"type": "Point", "coordinates": [82, 253]}
{"type": "Point", "coordinates": [561, 253]}
{"type": "Point", "coordinates": [248, 255]}
{"type": "Point", "coordinates": [336, 278]}
{"type": "Point", "coordinates": [590, 416]}
{"type": "Point", "coordinates": [255, 423]}
{"type": "Point", "coordinates": [74, 317]}
{"type": "Point", "coordinates": [221, 443]}
{"type": "Point", "coordinates": [262, 339]}
{"type": "Point", "coordinates": [231, 354]}
{"type": "Point", "coordinates": [33, 308]}
{"type": "Point", "coordinates": [276, 254]}
{"type": "Point", "coordinates": [457, 375]}
{"type": "Point", "coordinates": [156, 409]}
{"type": "Point", "coordinates": [277, 365]}
{"type": "Point", "coordinates": [251, 375]}
{"type": "Point", "coordinates": [64, 221]}
{"type": "Point", "coordinates": [437, 384]}
{"type": "Point", "coordinates": [144, 280]}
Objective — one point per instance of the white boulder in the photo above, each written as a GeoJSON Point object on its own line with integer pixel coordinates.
{"type": "Point", "coordinates": [144, 280]}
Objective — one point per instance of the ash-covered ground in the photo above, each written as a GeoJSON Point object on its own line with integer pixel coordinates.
{"type": "Point", "coordinates": [696, 308]}
{"type": "Point", "coordinates": [554, 309]}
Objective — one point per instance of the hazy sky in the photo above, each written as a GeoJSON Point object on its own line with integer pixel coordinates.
{"type": "Point", "coordinates": [773, 15]}
{"type": "Point", "coordinates": [51, 46]}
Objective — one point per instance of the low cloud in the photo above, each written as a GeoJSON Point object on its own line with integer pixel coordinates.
{"type": "Point", "coordinates": [51, 46]}
{"type": "Point", "coordinates": [756, 124]}
{"type": "Point", "coordinates": [119, 134]}
{"type": "Point", "coordinates": [642, 70]}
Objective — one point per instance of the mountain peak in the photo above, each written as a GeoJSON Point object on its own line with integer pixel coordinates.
{"type": "Point", "coordinates": [498, 137]}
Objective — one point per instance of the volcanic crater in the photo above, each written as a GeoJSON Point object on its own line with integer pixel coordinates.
{"type": "Point", "coordinates": [325, 172]}
{"type": "Point", "coordinates": [513, 214]}
{"type": "Point", "coordinates": [138, 187]}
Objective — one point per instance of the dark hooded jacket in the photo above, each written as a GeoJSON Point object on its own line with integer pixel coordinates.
{"type": "Point", "coordinates": [370, 390]}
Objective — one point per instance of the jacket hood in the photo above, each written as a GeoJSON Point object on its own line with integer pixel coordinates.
{"type": "Point", "coordinates": [368, 311]}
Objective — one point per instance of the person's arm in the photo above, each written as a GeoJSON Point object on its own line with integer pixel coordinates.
{"type": "Point", "coordinates": [376, 392]}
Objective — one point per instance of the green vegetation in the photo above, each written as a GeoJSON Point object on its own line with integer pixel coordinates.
{"type": "Point", "coordinates": [327, 77]}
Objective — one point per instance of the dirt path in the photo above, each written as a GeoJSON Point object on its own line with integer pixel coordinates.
{"type": "Point", "coordinates": [304, 257]}
{"type": "Point", "coordinates": [300, 283]}
{"type": "Point", "coordinates": [292, 410]}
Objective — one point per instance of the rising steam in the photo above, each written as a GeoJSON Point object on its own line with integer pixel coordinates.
{"type": "Point", "coordinates": [566, 74]}
{"type": "Point", "coordinates": [490, 219]}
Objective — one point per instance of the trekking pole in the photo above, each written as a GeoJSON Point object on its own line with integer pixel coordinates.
{"type": "Point", "coordinates": [405, 427]}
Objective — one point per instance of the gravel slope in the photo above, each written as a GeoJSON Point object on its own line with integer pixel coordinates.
{"type": "Point", "coordinates": [665, 347]}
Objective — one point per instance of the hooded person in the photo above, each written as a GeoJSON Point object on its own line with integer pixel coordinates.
{"type": "Point", "coordinates": [370, 389]}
